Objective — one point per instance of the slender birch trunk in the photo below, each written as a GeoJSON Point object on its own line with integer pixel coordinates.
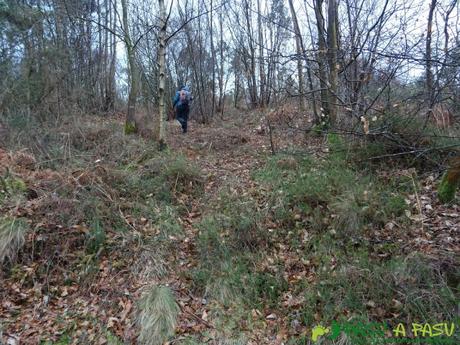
{"type": "Point", "coordinates": [162, 75]}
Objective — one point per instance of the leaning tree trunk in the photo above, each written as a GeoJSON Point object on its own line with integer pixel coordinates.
{"type": "Point", "coordinates": [162, 75]}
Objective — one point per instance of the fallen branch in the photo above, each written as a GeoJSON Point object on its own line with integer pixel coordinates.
{"type": "Point", "coordinates": [418, 151]}
{"type": "Point", "coordinates": [206, 323]}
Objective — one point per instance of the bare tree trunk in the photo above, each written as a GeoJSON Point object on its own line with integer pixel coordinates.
{"type": "Point", "coordinates": [237, 91]}
{"type": "Point", "coordinates": [354, 82]}
{"type": "Point", "coordinates": [298, 43]}
{"type": "Point", "coordinates": [110, 103]}
{"type": "Point", "coordinates": [130, 123]}
{"type": "Point", "coordinates": [429, 74]}
{"type": "Point", "coordinates": [262, 77]}
{"type": "Point", "coordinates": [162, 75]}
{"type": "Point", "coordinates": [309, 73]}
{"type": "Point", "coordinates": [213, 61]}
{"type": "Point", "coordinates": [332, 59]}
{"type": "Point", "coordinates": [321, 62]}
{"type": "Point", "coordinates": [221, 69]}
{"type": "Point", "coordinates": [252, 84]}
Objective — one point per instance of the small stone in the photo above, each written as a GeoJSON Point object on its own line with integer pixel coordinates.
{"type": "Point", "coordinates": [271, 317]}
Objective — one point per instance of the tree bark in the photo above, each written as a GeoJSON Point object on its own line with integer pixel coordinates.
{"type": "Point", "coordinates": [252, 84]}
{"type": "Point", "coordinates": [220, 105]}
{"type": "Point", "coordinates": [262, 77]}
{"type": "Point", "coordinates": [321, 62]}
{"type": "Point", "coordinates": [130, 123]}
{"type": "Point", "coordinates": [429, 74]}
{"type": "Point", "coordinates": [299, 50]}
{"type": "Point", "coordinates": [213, 61]}
{"type": "Point", "coordinates": [162, 75]}
{"type": "Point", "coordinates": [332, 59]}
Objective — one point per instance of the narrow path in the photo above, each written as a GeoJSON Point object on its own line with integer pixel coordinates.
{"type": "Point", "coordinates": [226, 156]}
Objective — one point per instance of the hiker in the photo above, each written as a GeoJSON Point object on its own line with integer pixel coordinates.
{"type": "Point", "coordinates": [181, 104]}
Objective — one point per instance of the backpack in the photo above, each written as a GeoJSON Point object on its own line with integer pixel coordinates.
{"type": "Point", "coordinates": [183, 103]}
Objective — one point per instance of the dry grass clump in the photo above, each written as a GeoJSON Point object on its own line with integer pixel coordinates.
{"type": "Point", "coordinates": [158, 315]}
{"type": "Point", "coordinates": [151, 264]}
{"type": "Point", "coordinates": [12, 237]}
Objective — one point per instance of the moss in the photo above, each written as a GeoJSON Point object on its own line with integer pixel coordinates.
{"type": "Point", "coordinates": [448, 186]}
{"type": "Point", "coordinates": [18, 185]}
{"type": "Point", "coordinates": [11, 186]}
{"type": "Point", "coordinates": [130, 128]}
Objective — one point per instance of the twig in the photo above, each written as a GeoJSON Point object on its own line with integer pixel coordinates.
{"type": "Point", "coordinates": [414, 151]}
{"type": "Point", "coordinates": [419, 204]}
{"type": "Point", "coordinates": [196, 317]}
{"type": "Point", "coordinates": [175, 184]}
{"type": "Point", "coordinates": [124, 218]}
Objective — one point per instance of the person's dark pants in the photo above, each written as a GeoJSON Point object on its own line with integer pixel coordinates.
{"type": "Point", "coordinates": [183, 118]}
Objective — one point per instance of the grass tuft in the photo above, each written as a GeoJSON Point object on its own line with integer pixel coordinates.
{"type": "Point", "coordinates": [158, 315]}
{"type": "Point", "coordinates": [151, 264]}
{"type": "Point", "coordinates": [12, 237]}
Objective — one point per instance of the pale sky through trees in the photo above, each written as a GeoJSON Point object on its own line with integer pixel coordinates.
{"type": "Point", "coordinates": [408, 22]}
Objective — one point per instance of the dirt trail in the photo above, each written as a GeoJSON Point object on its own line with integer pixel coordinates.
{"type": "Point", "coordinates": [226, 157]}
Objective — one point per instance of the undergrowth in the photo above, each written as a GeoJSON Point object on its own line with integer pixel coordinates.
{"type": "Point", "coordinates": [307, 233]}
{"type": "Point", "coordinates": [325, 214]}
{"type": "Point", "coordinates": [91, 195]}
{"type": "Point", "coordinates": [407, 140]}
{"type": "Point", "coordinates": [341, 207]}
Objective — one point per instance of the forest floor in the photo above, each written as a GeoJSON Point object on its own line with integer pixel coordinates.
{"type": "Point", "coordinates": [255, 248]}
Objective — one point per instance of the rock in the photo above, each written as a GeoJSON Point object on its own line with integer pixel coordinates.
{"type": "Point", "coordinates": [271, 317]}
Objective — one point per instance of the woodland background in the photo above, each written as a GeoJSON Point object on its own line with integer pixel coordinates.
{"type": "Point", "coordinates": [317, 183]}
